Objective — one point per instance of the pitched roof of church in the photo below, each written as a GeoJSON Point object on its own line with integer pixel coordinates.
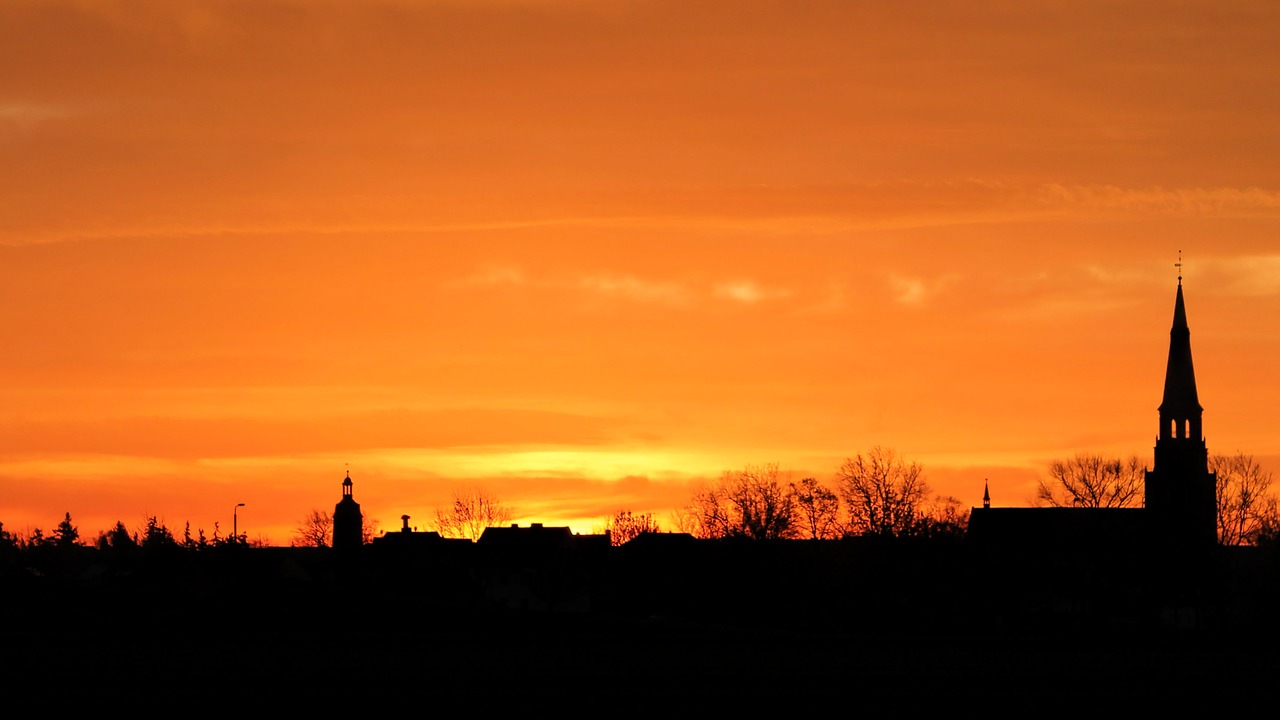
{"type": "Point", "coordinates": [1038, 528]}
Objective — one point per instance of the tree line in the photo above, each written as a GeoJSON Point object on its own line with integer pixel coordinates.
{"type": "Point", "coordinates": [877, 493]}
{"type": "Point", "coordinates": [1248, 513]}
{"type": "Point", "coordinates": [153, 533]}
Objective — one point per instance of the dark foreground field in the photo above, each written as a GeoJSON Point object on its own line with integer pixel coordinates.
{"type": "Point", "coordinates": [309, 653]}
{"type": "Point", "coordinates": [751, 632]}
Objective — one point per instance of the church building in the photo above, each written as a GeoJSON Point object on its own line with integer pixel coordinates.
{"type": "Point", "coordinates": [1180, 506]}
{"type": "Point", "coordinates": [1180, 492]}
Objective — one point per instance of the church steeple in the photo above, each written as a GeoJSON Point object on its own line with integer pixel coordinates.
{"type": "Point", "coordinates": [1180, 491]}
{"type": "Point", "coordinates": [1180, 410]}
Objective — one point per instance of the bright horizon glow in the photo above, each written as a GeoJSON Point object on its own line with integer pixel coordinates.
{"type": "Point", "coordinates": [588, 257]}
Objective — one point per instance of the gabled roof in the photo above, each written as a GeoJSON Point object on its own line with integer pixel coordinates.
{"type": "Point", "coordinates": [1063, 528]}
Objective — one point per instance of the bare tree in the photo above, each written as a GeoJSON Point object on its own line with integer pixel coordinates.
{"type": "Point", "coordinates": [1246, 506]}
{"type": "Point", "coordinates": [944, 516]}
{"type": "Point", "coordinates": [1268, 532]}
{"type": "Point", "coordinates": [817, 510]}
{"type": "Point", "coordinates": [1093, 481]}
{"type": "Point", "coordinates": [314, 530]}
{"type": "Point", "coordinates": [883, 493]}
{"type": "Point", "coordinates": [706, 515]}
{"type": "Point", "coordinates": [762, 502]}
{"type": "Point", "coordinates": [369, 530]}
{"type": "Point", "coordinates": [472, 511]}
{"type": "Point", "coordinates": [625, 526]}
{"type": "Point", "coordinates": [755, 502]}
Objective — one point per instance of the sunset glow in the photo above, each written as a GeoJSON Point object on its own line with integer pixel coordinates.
{"type": "Point", "coordinates": [587, 254]}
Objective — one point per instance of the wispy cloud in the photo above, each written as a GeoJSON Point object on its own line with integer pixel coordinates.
{"type": "Point", "coordinates": [915, 291]}
{"type": "Point", "coordinates": [748, 292]}
{"type": "Point", "coordinates": [24, 114]}
{"type": "Point", "coordinates": [186, 439]}
{"type": "Point", "coordinates": [851, 208]}
{"type": "Point", "coordinates": [1113, 276]}
{"type": "Point", "coordinates": [636, 289]}
{"type": "Point", "coordinates": [909, 291]}
{"type": "Point", "coordinates": [628, 287]}
{"type": "Point", "coordinates": [496, 275]}
{"type": "Point", "coordinates": [834, 300]}
{"type": "Point", "coordinates": [1250, 275]}
{"type": "Point", "coordinates": [1200, 201]}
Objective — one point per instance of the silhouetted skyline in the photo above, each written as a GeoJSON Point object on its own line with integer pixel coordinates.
{"type": "Point", "coordinates": [586, 260]}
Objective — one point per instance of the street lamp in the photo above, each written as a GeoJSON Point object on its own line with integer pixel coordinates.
{"type": "Point", "coordinates": [235, 530]}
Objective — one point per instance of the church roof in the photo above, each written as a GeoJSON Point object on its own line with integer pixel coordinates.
{"type": "Point", "coordinates": [1064, 528]}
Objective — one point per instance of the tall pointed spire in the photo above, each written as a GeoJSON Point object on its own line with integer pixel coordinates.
{"type": "Point", "coordinates": [1180, 490]}
{"type": "Point", "coordinates": [1180, 409]}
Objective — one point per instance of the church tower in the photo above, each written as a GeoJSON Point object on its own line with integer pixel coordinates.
{"type": "Point", "coordinates": [1181, 493]}
{"type": "Point", "coordinates": [348, 523]}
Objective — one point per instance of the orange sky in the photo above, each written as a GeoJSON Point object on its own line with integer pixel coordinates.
{"type": "Point", "coordinates": [583, 254]}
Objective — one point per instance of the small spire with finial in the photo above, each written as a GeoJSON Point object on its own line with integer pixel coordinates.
{"type": "Point", "coordinates": [1179, 266]}
{"type": "Point", "coordinates": [986, 494]}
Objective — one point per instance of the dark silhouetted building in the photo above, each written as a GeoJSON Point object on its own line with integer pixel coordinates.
{"type": "Point", "coordinates": [1180, 503]}
{"type": "Point", "coordinates": [1116, 567]}
{"type": "Point", "coordinates": [1181, 493]}
{"type": "Point", "coordinates": [348, 523]}
{"type": "Point", "coordinates": [538, 567]}
{"type": "Point", "coordinates": [411, 538]}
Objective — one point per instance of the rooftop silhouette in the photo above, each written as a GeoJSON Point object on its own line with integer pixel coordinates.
{"type": "Point", "coordinates": [526, 607]}
{"type": "Point", "coordinates": [1180, 507]}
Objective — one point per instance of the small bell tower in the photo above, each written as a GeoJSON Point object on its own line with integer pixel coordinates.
{"type": "Point", "coordinates": [348, 522]}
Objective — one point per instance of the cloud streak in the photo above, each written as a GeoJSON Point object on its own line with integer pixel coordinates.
{"type": "Point", "coordinates": [186, 439]}
{"type": "Point", "coordinates": [1254, 275]}
{"type": "Point", "coordinates": [25, 114]}
{"type": "Point", "coordinates": [748, 292]}
{"type": "Point", "coordinates": [816, 211]}
{"type": "Point", "coordinates": [1163, 201]}
{"type": "Point", "coordinates": [636, 289]}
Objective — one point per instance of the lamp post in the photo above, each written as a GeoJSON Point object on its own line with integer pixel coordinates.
{"type": "Point", "coordinates": [235, 529]}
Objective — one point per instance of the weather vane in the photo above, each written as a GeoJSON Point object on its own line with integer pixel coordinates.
{"type": "Point", "coordinates": [1179, 266]}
